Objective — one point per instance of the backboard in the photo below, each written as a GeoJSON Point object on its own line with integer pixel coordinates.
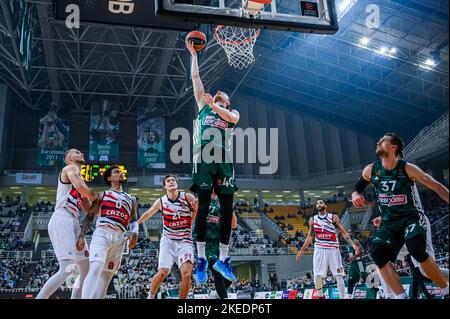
{"type": "Point", "coordinates": [310, 16]}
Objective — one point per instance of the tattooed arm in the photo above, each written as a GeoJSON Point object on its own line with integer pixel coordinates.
{"type": "Point", "coordinates": [89, 221]}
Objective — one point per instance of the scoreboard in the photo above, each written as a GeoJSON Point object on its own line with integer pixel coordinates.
{"type": "Point", "coordinates": [93, 172]}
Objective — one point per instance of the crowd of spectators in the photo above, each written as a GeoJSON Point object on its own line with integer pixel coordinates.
{"type": "Point", "coordinates": [42, 272]}
{"type": "Point", "coordinates": [42, 206]}
{"type": "Point", "coordinates": [11, 271]}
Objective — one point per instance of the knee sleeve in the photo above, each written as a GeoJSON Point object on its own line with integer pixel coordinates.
{"type": "Point", "coordinates": [380, 254]}
{"type": "Point", "coordinates": [226, 213]}
{"type": "Point", "coordinates": [351, 285]}
{"type": "Point", "coordinates": [417, 248]}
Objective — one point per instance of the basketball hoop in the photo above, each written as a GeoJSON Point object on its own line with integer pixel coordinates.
{"type": "Point", "coordinates": [238, 44]}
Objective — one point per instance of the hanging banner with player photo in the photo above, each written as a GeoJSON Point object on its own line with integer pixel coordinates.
{"type": "Point", "coordinates": [104, 138]}
{"type": "Point", "coordinates": [151, 140]}
{"type": "Point", "coordinates": [53, 136]}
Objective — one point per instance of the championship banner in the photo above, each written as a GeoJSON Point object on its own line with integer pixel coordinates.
{"type": "Point", "coordinates": [104, 137]}
{"type": "Point", "coordinates": [53, 136]}
{"type": "Point", "coordinates": [151, 140]}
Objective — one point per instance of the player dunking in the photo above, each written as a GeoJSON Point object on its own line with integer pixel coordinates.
{"type": "Point", "coordinates": [401, 211]}
{"type": "Point", "coordinates": [323, 229]}
{"type": "Point", "coordinates": [63, 228]}
{"type": "Point", "coordinates": [178, 209]}
{"type": "Point", "coordinates": [215, 117]}
{"type": "Point", "coordinates": [212, 245]}
{"type": "Point", "coordinates": [116, 210]}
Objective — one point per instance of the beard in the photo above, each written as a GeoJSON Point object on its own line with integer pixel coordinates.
{"type": "Point", "coordinates": [80, 161]}
{"type": "Point", "coordinates": [320, 209]}
{"type": "Point", "coordinates": [381, 152]}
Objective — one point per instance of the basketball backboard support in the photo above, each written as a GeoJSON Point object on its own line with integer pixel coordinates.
{"type": "Point", "coordinates": [136, 13]}
{"type": "Point", "coordinates": [310, 16]}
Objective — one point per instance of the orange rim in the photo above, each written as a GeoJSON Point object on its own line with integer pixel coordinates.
{"type": "Point", "coordinates": [221, 40]}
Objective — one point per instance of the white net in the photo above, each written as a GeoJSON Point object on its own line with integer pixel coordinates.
{"type": "Point", "coordinates": [238, 44]}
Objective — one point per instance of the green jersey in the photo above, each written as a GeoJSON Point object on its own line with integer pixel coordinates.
{"type": "Point", "coordinates": [212, 221]}
{"type": "Point", "coordinates": [206, 129]}
{"type": "Point", "coordinates": [351, 252]}
{"type": "Point", "coordinates": [396, 193]}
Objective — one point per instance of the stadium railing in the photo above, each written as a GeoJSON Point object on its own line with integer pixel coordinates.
{"type": "Point", "coordinates": [14, 254]}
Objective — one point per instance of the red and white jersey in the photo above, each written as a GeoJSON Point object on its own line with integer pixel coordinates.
{"type": "Point", "coordinates": [115, 210]}
{"type": "Point", "coordinates": [67, 197]}
{"type": "Point", "coordinates": [177, 217]}
{"type": "Point", "coordinates": [325, 231]}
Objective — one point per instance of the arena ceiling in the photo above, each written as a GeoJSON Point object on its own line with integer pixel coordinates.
{"type": "Point", "coordinates": [386, 82]}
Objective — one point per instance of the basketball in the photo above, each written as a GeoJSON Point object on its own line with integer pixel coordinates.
{"type": "Point", "coordinates": [199, 39]}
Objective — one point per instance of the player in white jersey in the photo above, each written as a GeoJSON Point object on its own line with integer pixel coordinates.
{"type": "Point", "coordinates": [116, 210]}
{"type": "Point", "coordinates": [72, 196]}
{"type": "Point", "coordinates": [323, 229]}
{"type": "Point", "coordinates": [388, 293]}
{"type": "Point", "coordinates": [178, 210]}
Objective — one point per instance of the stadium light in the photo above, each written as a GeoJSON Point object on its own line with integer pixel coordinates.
{"type": "Point", "coordinates": [430, 62]}
{"type": "Point", "coordinates": [382, 50]}
{"type": "Point", "coordinates": [364, 40]}
{"type": "Point", "coordinates": [393, 50]}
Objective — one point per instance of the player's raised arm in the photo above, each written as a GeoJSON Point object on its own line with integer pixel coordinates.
{"type": "Point", "coordinates": [308, 241]}
{"type": "Point", "coordinates": [197, 83]}
{"type": "Point", "coordinates": [357, 199]}
{"type": "Point", "coordinates": [73, 174]}
{"type": "Point", "coordinates": [150, 212]}
{"type": "Point", "coordinates": [417, 174]}
{"type": "Point", "coordinates": [227, 115]}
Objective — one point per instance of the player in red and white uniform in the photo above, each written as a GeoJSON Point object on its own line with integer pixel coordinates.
{"type": "Point", "coordinates": [178, 210]}
{"type": "Point", "coordinates": [116, 212]}
{"type": "Point", "coordinates": [72, 196]}
{"type": "Point", "coordinates": [323, 228]}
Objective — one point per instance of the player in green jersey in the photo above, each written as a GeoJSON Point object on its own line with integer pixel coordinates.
{"type": "Point", "coordinates": [401, 211]}
{"type": "Point", "coordinates": [357, 268]}
{"type": "Point", "coordinates": [212, 168]}
{"type": "Point", "coordinates": [212, 245]}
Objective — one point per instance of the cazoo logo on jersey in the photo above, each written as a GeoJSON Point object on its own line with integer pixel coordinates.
{"type": "Point", "coordinates": [392, 200]}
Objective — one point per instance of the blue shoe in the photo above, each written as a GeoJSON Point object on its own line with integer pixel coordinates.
{"type": "Point", "coordinates": [200, 275]}
{"type": "Point", "coordinates": [224, 268]}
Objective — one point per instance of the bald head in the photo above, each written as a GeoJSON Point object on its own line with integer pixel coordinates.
{"type": "Point", "coordinates": [73, 156]}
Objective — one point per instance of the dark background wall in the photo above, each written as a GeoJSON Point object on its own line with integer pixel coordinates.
{"type": "Point", "coordinates": [306, 145]}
